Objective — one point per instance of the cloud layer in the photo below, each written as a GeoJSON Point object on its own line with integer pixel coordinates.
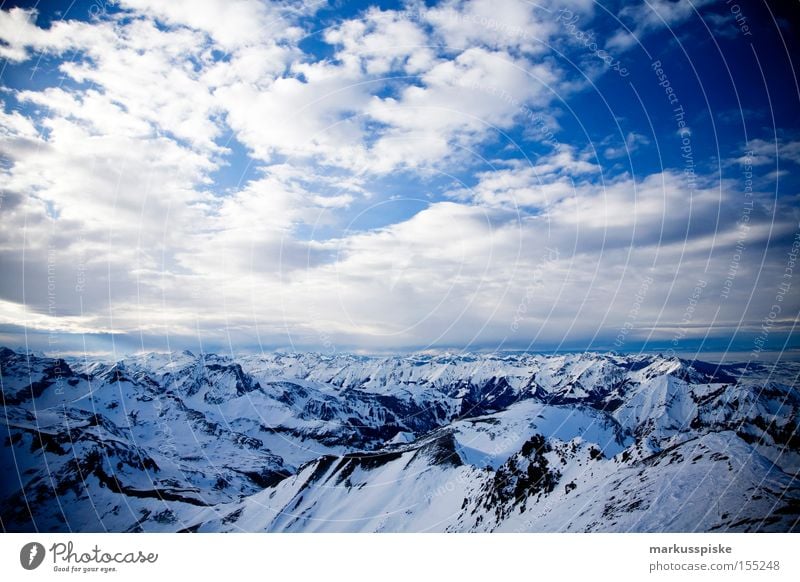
{"type": "Point", "coordinates": [269, 174]}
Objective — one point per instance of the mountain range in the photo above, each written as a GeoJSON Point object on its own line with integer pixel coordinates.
{"type": "Point", "coordinates": [306, 442]}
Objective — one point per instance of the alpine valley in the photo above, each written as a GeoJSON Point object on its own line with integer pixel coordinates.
{"type": "Point", "coordinates": [303, 442]}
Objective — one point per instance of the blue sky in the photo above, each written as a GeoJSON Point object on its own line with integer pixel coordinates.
{"type": "Point", "coordinates": [399, 176]}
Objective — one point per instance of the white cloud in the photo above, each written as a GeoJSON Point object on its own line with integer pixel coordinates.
{"type": "Point", "coordinates": [112, 178]}
{"type": "Point", "coordinates": [19, 33]}
{"type": "Point", "coordinates": [292, 117]}
{"type": "Point", "coordinates": [230, 23]}
{"type": "Point", "coordinates": [653, 15]}
{"type": "Point", "coordinates": [548, 181]}
{"type": "Point", "coordinates": [457, 268]}
{"type": "Point", "coordinates": [511, 25]}
{"type": "Point", "coordinates": [381, 42]}
{"type": "Point", "coordinates": [458, 102]}
{"type": "Point", "coordinates": [631, 144]}
{"type": "Point", "coordinates": [761, 152]}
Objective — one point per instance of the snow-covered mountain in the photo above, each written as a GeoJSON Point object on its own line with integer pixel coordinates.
{"type": "Point", "coordinates": [308, 442]}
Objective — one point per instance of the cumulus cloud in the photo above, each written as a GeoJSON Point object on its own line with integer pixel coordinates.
{"type": "Point", "coordinates": [122, 222]}
{"type": "Point", "coordinates": [231, 24]}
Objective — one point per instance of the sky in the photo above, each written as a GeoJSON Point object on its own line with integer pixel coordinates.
{"type": "Point", "coordinates": [382, 177]}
